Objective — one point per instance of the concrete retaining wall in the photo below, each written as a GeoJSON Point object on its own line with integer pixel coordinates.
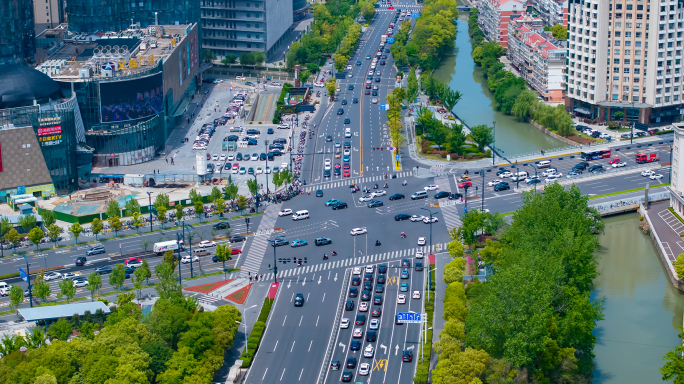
{"type": "Point", "coordinates": [661, 252]}
{"type": "Point", "coordinates": [553, 134]}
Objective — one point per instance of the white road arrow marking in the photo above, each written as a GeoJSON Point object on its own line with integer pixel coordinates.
{"type": "Point", "coordinates": [344, 346]}
{"type": "Point", "coordinates": [409, 348]}
{"type": "Point", "coordinates": [384, 347]}
{"type": "Point", "coordinates": [289, 283]}
{"type": "Point", "coordinates": [335, 276]}
{"type": "Point", "coordinates": [303, 282]}
{"type": "Point", "coordinates": [396, 350]}
{"type": "Point", "coordinates": [319, 279]}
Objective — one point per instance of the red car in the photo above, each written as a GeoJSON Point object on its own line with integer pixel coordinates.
{"type": "Point", "coordinates": [208, 156]}
{"type": "Point", "coordinates": [465, 184]}
{"type": "Point", "coordinates": [337, 165]}
{"type": "Point", "coordinates": [346, 173]}
{"type": "Point", "coordinates": [133, 260]}
{"type": "Point", "coordinates": [346, 166]}
{"type": "Point", "coordinates": [614, 160]}
{"type": "Point", "coordinates": [235, 251]}
{"type": "Point", "coordinates": [390, 7]}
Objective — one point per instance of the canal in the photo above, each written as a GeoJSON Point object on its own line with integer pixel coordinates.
{"type": "Point", "coordinates": [477, 106]}
{"type": "Point", "coordinates": [641, 308]}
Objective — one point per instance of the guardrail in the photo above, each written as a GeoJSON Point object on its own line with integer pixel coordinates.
{"type": "Point", "coordinates": [336, 328]}
{"type": "Point", "coordinates": [630, 204]}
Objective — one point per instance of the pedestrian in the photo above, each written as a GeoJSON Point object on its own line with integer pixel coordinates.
{"type": "Point", "coordinates": [269, 267]}
{"type": "Point", "coordinates": [167, 160]}
{"type": "Point", "coordinates": [250, 279]}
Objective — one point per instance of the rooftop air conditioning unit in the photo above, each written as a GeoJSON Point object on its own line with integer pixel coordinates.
{"type": "Point", "coordinates": [84, 73]}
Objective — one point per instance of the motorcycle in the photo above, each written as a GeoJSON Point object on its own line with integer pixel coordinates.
{"type": "Point", "coordinates": [375, 187]}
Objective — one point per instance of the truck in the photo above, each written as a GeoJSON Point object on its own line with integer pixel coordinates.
{"type": "Point", "coordinates": [383, 38]}
{"type": "Point", "coordinates": [160, 248]}
{"type": "Point", "coordinates": [642, 158]}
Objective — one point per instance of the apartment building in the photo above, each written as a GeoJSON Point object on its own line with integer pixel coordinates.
{"type": "Point", "coordinates": [17, 35]}
{"type": "Point", "coordinates": [235, 26]}
{"type": "Point", "coordinates": [626, 56]}
{"type": "Point", "coordinates": [551, 11]}
{"type": "Point", "coordinates": [539, 58]}
{"type": "Point", "coordinates": [495, 15]}
{"type": "Point", "coordinates": [48, 14]}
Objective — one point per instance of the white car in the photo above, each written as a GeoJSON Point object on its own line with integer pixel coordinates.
{"type": "Point", "coordinates": [656, 176]}
{"type": "Point", "coordinates": [231, 157]}
{"type": "Point", "coordinates": [370, 268]}
{"type": "Point", "coordinates": [379, 192]}
{"type": "Point", "coordinates": [358, 333]}
{"type": "Point", "coordinates": [358, 231]}
{"type": "Point", "coordinates": [267, 170]}
{"type": "Point", "coordinates": [5, 288]}
{"type": "Point", "coordinates": [427, 220]}
{"type": "Point", "coordinates": [415, 218]}
{"type": "Point", "coordinates": [368, 351]}
{"type": "Point", "coordinates": [370, 73]}
{"type": "Point", "coordinates": [240, 78]}
{"type": "Point", "coordinates": [431, 188]}
{"type": "Point", "coordinates": [222, 158]}
{"type": "Point", "coordinates": [188, 259]}
{"type": "Point", "coordinates": [494, 182]}
{"type": "Point", "coordinates": [80, 283]}
{"type": "Point", "coordinates": [349, 67]}
{"type": "Point", "coordinates": [374, 100]}
{"type": "Point", "coordinates": [327, 167]}
{"type": "Point", "coordinates": [363, 306]}
{"type": "Point", "coordinates": [401, 299]}
{"type": "Point", "coordinates": [357, 270]}
{"type": "Point", "coordinates": [618, 165]}
{"type": "Point", "coordinates": [366, 198]}
{"type": "Point", "coordinates": [68, 275]}
{"type": "Point", "coordinates": [234, 171]}
{"type": "Point", "coordinates": [506, 174]}
{"type": "Point", "coordinates": [647, 173]}
{"type": "Point", "coordinates": [135, 263]}
{"type": "Point", "coordinates": [552, 177]}
{"type": "Point", "coordinates": [364, 369]}
{"type": "Point", "coordinates": [549, 171]}
{"type": "Point", "coordinates": [215, 157]}
{"type": "Point", "coordinates": [419, 254]}
{"type": "Point", "coordinates": [529, 179]}
{"type": "Point", "coordinates": [416, 295]}
{"type": "Point", "coordinates": [206, 243]}
{"type": "Point", "coordinates": [285, 212]}
{"type": "Point", "coordinates": [283, 165]}
{"type": "Point", "coordinates": [347, 152]}
{"type": "Point", "coordinates": [52, 276]}
{"type": "Point", "coordinates": [259, 171]}
{"type": "Point", "coordinates": [421, 241]}
{"type": "Point", "coordinates": [344, 324]}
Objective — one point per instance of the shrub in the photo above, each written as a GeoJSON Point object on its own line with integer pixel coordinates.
{"type": "Point", "coordinates": [469, 157]}
{"type": "Point", "coordinates": [428, 151]}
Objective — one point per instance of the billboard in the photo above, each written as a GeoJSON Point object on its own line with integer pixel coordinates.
{"type": "Point", "coordinates": [181, 66]}
{"type": "Point", "coordinates": [131, 99]}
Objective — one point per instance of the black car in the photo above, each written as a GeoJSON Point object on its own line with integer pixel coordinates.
{"type": "Point", "coordinates": [326, 173]}
{"type": "Point", "coordinates": [375, 203]}
{"type": "Point", "coordinates": [328, 138]}
{"type": "Point", "coordinates": [270, 131]}
{"type": "Point", "coordinates": [237, 238]}
{"type": "Point", "coordinates": [344, 102]}
{"type": "Point", "coordinates": [233, 138]}
{"type": "Point", "coordinates": [299, 300]}
{"type": "Point", "coordinates": [407, 356]}
{"type": "Point", "coordinates": [349, 305]}
{"type": "Point", "coordinates": [375, 92]}
{"type": "Point", "coordinates": [358, 62]}
{"type": "Point", "coordinates": [340, 111]}
{"type": "Point", "coordinates": [455, 196]}
{"type": "Point", "coordinates": [215, 259]}
{"type": "Point", "coordinates": [356, 280]}
{"type": "Point", "coordinates": [353, 292]}
{"type": "Point", "coordinates": [396, 196]}
{"type": "Point", "coordinates": [501, 187]}
{"type": "Point", "coordinates": [351, 362]}
{"type": "Point", "coordinates": [360, 319]}
{"type": "Point", "coordinates": [347, 121]}
{"type": "Point", "coordinates": [340, 205]}
{"type": "Point", "coordinates": [595, 168]}
{"type": "Point", "coordinates": [501, 171]}
{"type": "Point", "coordinates": [384, 56]}
{"type": "Point", "coordinates": [366, 92]}
{"type": "Point", "coordinates": [335, 365]}
{"type": "Point", "coordinates": [355, 100]}
{"type": "Point", "coordinates": [405, 263]}
{"type": "Point", "coordinates": [347, 144]}
{"type": "Point", "coordinates": [262, 156]}
{"type": "Point", "coordinates": [252, 142]}
{"type": "Point", "coordinates": [377, 79]}
{"type": "Point", "coordinates": [351, 87]}
{"type": "Point", "coordinates": [280, 241]}
{"type": "Point", "coordinates": [402, 216]}
{"type": "Point", "coordinates": [382, 62]}
{"type": "Point", "coordinates": [367, 286]}
{"type": "Point", "coordinates": [534, 181]}
{"type": "Point", "coordinates": [419, 266]}
{"type": "Point", "coordinates": [376, 312]}
{"type": "Point", "coordinates": [355, 345]}
{"type": "Point", "coordinates": [583, 165]}
{"type": "Point", "coordinates": [381, 279]}
{"type": "Point", "coordinates": [441, 195]}
{"type": "Point", "coordinates": [221, 226]}
{"type": "Point", "coordinates": [366, 295]}
{"type": "Point", "coordinates": [322, 241]}
{"type": "Point", "coordinates": [377, 300]}
{"type": "Point", "coordinates": [103, 270]}
{"type": "Point", "coordinates": [379, 288]}
{"type": "Point", "coordinates": [371, 336]}
{"type": "Point", "coordinates": [238, 157]}
{"type": "Point", "coordinates": [280, 140]}
{"type": "Point", "coordinates": [382, 269]}
{"type": "Point", "coordinates": [319, 193]}
{"type": "Point", "coordinates": [81, 261]}
{"type": "Point", "coordinates": [347, 376]}
{"type": "Point", "coordinates": [387, 50]}
{"type": "Point", "coordinates": [368, 277]}
{"type": "Point", "coordinates": [253, 131]}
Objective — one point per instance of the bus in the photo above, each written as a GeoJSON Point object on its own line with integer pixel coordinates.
{"type": "Point", "coordinates": [596, 155]}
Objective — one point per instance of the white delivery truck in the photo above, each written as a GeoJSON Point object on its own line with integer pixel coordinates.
{"type": "Point", "coordinates": [160, 248]}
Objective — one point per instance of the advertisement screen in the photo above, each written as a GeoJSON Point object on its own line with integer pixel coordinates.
{"type": "Point", "coordinates": [131, 99]}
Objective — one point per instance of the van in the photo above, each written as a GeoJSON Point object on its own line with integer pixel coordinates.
{"type": "Point", "coordinates": [522, 175]}
{"type": "Point", "coordinates": [200, 252]}
{"type": "Point", "coordinates": [419, 195]}
{"type": "Point", "coordinates": [543, 164]}
{"type": "Point", "coordinates": [300, 215]}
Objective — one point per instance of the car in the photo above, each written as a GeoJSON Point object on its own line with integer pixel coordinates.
{"type": "Point", "coordinates": [366, 294]}
{"type": "Point", "coordinates": [407, 356]}
{"type": "Point", "coordinates": [501, 187]}
{"type": "Point", "coordinates": [368, 351]}
{"type": "Point", "coordinates": [344, 323]}
{"type": "Point", "coordinates": [322, 241]}
{"type": "Point", "coordinates": [368, 277]}
{"type": "Point", "coordinates": [421, 241]}
{"type": "Point", "coordinates": [242, 171]}
{"type": "Point", "coordinates": [401, 216]}
{"type": "Point", "coordinates": [379, 288]}
{"type": "Point", "coordinates": [359, 231]}
{"type": "Point", "coordinates": [360, 319]}
{"type": "Point", "coordinates": [356, 271]}
{"type": "Point", "coordinates": [416, 218]}
{"type": "Point", "coordinates": [647, 173]}
{"type": "Point", "coordinates": [347, 376]}
{"type": "Point", "coordinates": [416, 295]}
{"type": "Point", "coordinates": [366, 92]}
{"type": "Point", "coordinates": [377, 79]}
{"type": "Point", "coordinates": [356, 280]}
{"type": "Point", "coordinates": [374, 324]}
{"type": "Point", "coordinates": [214, 158]}
{"type": "Point", "coordinates": [376, 312]}
{"type": "Point", "coordinates": [382, 62]}
{"type": "Point", "coordinates": [404, 274]}
{"type": "Point", "coordinates": [379, 192]}
{"type": "Point", "coordinates": [298, 243]}
{"type": "Point", "coordinates": [280, 241]}
{"type": "Point", "coordinates": [189, 259]}
{"type": "Point", "coordinates": [553, 177]}
{"type": "Point", "coordinates": [363, 307]}
{"type": "Point", "coordinates": [614, 160]}
{"type": "Point", "coordinates": [375, 203]}
{"type": "Point", "coordinates": [429, 220]}
{"type": "Point", "coordinates": [80, 283]}
{"type": "Point", "coordinates": [465, 184]}
{"type": "Point", "coordinates": [358, 62]}
{"type": "Point", "coordinates": [401, 299]}
{"type": "Point", "coordinates": [419, 254]}
{"type": "Point", "coordinates": [259, 171]}
{"type": "Point", "coordinates": [374, 100]}
{"type": "Point", "coordinates": [620, 164]}
{"type": "Point", "coordinates": [365, 198]}
{"type": "Point", "coordinates": [549, 171]}
{"type": "Point", "coordinates": [377, 300]}
{"type": "Point", "coordinates": [382, 269]}
{"type": "Point", "coordinates": [349, 305]}
{"type": "Point", "coordinates": [340, 205]}
{"type": "Point", "coordinates": [532, 181]}
{"type": "Point", "coordinates": [221, 225]}
{"type": "Point", "coordinates": [656, 176]}
{"type": "Point", "coordinates": [335, 365]}
{"type": "Point", "coordinates": [267, 170]}
{"type": "Point", "coordinates": [346, 158]}
{"type": "Point", "coordinates": [299, 300]}
{"type": "Point", "coordinates": [397, 196]}
{"type": "Point", "coordinates": [441, 195]}
{"type": "Point", "coordinates": [319, 192]}
{"type": "Point", "coordinates": [66, 276]}
{"type": "Point", "coordinates": [270, 131]}
{"type": "Point", "coordinates": [133, 262]}
{"type": "Point", "coordinates": [81, 261]}
{"type": "Point", "coordinates": [95, 249]}
{"type": "Point", "coordinates": [369, 269]}
{"type": "Point", "coordinates": [206, 244]}
{"type": "Point", "coordinates": [340, 111]}
{"type": "Point", "coordinates": [56, 275]}
{"type": "Point", "coordinates": [570, 175]}
{"type": "Point", "coordinates": [358, 332]}
{"type": "Point", "coordinates": [331, 202]}
{"type": "Point", "coordinates": [364, 369]}
{"type": "Point", "coordinates": [236, 238]}
{"type": "Point", "coordinates": [351, 361]}
{"type": "Point", "coordinates": [346, 173]}
{"type": "Point", "coordinates": [403, 287]}
{"type": "Point", "coordinates": [431, 188]}
{"type": "Point", "coordinates": [285, 212]}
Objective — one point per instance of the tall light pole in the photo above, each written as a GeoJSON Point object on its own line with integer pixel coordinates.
{"type": "Point", "coordinates": [244, 317]}
{"type": "Point", "coordinates": [275, 264]}
{"type": "Point", "coordinates": [535, 176]}
{"type": "Point", "coordinates": [149, 195]}
{"type": "Point", "coordinates": [28, 280]}
{"type": "Point", "coordinates": [631, 136]}
{"type": "Point", "coordinates": [483, 177]}
{"type": "Point", "coordinates": [670, 174]}
{"type": "Point", "coordinates": [493, 141]}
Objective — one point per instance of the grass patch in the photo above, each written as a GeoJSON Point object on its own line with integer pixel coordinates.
{"type": "Point", "coordinates": [627, 191]}
{"type": "Point", "coordinates": [240, 296]}
{"type": "Point", "coordinates": [676, 214]}
{"type": "Point", "coordinates": [257, 332]}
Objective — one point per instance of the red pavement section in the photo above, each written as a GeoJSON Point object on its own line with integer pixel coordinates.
{"type": "Point", "coordinates": [240, 296]}
{"type": "Point", "coordinates": [431, 259]}
{"type": "Point", "coordinates": [273, 290]}
{"type": "Point", "coordinates": [206, 288]}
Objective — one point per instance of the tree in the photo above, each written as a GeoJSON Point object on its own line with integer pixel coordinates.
{"type": "Point", "coordinates": [94, 284]}
{"type": "Point", "coordinates": [193, 195]}
{"type": "Point", "coordinates": [167, 286]}
{"type": "Point", "coordinates": [247, 58]}
{"type": "Point", "coordinates": [340, 61]}
{"type": "Point", "coordinates": [259, 58]}
{"type": "Point", "coordinates": [618, 115]}
{"type": "Point", "coordinates": [453, 271]}
{"type": "Point", "coordinates": [451, 98]}
{"type": "Point", "coordinates": [679, 266]}
{"type": "Point", "coordinates": [144, 244]}
{"type": "Point", "coordinates": [137, 221]}
{"type": "Point", "coordinates": [161, 204]}
{"type": "Point", "coordinates": [455, 248]}
{"type": "Point", "coordinates": [132, 206]}
{"type": "Point", "coordinates": [53, 233]}
{"type": "Point", "coordinates": [559, 32]}
{"type": "Point", "coordinates": [674, 365]}
{"type": "Point", "coordinates": [241, 202]}
{"type": "Point", "coordinates": [229, 59]}
{"type": "Point", "coordinates": [76, 230]}
{"type": "Point", "coordinates": [16, 296]}
{"type": "Point", "coordinates": [179, 212]}
{"type": "Point", "coordinates": [48, 218]}
{"type": "Point", "coordinates": [482, 134]}
{"type": "Point", "coordinates": [169, 256]}
{"type": "Point", "coordinates": [215, 194]}
{"type": "Point", "coordinates": [330, 87]}
{"type": "Point", "coordinates": [5, 225]}
{"type": "Point", "coordinates": [35, 236]}
{"type": "Point", "coordinates": [368, 11]}
{"type": "Point", "coordinates": [61, 330]}
{"type": "Point", "coordinates": [232, 191]}
{"type": "Point", "coordinates": [220, 205]}
{"type": "Point", "coordinates": [524, 105]}
{"type": "Point", "coordinates": [456, 138]}
{"type": "Point", "coordinates": [115, 222]}
{"type": "Point", "coordinates": [66, 289]}
{"type": "Point", "coordinates": [253, 187]}
{"type": "Point", "coordinates": [96, 227]}
{"type": "Point", "coordinates": [412, 86]}
{"type": "Point", "coordinates": [223, 253]}
{"type": "Point", "coordinates": [27, 222]}
{"type": "Point", "coordinates": [139, 275]}
{"type": "Point", "coordinates": [113, 209]}
{"type": "Point", "coordinates": [117, 277]}
{"type": "Point", "coordinates": [199, 209]}
{"type": "Point", "coordinates": [13, 237]}
{"type": "Point", "coordinates": [145, 268]}
{"type": "Point", "coordinates": [41, 289]}
{"type": "Point", "coordinates": [208, 55]}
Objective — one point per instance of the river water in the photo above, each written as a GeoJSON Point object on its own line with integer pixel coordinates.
{"type": "Point", "coordinates": [641, 308]}
{"type": "Point", "coordinates": [477, 106]}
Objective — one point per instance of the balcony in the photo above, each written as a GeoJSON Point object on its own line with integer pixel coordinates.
{"type": "Point", "coordinates": [227, 8]}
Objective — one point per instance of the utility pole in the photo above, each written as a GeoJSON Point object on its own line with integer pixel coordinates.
{"type": "Point", "coordinates": [149, 195]}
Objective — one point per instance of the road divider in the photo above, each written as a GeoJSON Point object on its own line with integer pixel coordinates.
{"type": "Point", "coordinates": [336, 328]}
{"type": "Point", "coordinates": [259, 328]}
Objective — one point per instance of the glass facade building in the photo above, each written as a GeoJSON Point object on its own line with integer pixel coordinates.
{"type": "Point", "coordinates": [17, 35]}
{"type": "Point", "coordinates": [128, 145]}
{"type": "Point", "coordinates": [116, 15]}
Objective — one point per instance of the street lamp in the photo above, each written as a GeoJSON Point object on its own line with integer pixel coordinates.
{"type": "Point", "coordinates": [244, 316]}
{"type": "Point", "coordinates": [256, 195]}
{"type": "Point", "coordinates": [535, 176]}
{"type": "Point", "coordinates": [493, 142]}
{"type": "Point", "coordinates": [670, 174]}
{"type": "Point", "coordinates": [631, 136]}
{"type": "Point", "coordinates": [483, 179]}
{"type": "Point", "coordinates": [431, 213]}
{"type": "Point", "coordinates": [28, 280]}
{"type": "Point", "coordinates": [275, 265]}
{"type": "Point", "coordinates": [149, 195]}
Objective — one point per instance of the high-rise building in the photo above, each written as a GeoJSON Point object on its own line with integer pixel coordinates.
{"type": "Point", "coordinates": [551, 11]}
{"type": "Point", "coordinates": [624, 60]}
{"type": "Point", "coordinates": [17, 35]}
{"type": "Point", "coordinates": [299, 9]}
{"type": "Point", "coordinates": [495, 16]}
{"type": "Point", "coordinates": [48, 14]}
{"type": "Point", "coordinates": [117, 15]}
{"type": "Point", "coordinates": [236, 26]}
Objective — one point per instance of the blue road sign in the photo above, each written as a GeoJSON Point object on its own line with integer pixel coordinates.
{"type": "Point", "coordinates": [390, 40]}
{"type": "Point", "coordinates": [415, 14]}
{"type": "Point", "coordinates": [397, 157]}
{"type": "Point", "coordinates": [409, 317]}
{"type": "Point", "coordinates": [382, 107]}
{"type": "Point", "coordinates": [23, 275]}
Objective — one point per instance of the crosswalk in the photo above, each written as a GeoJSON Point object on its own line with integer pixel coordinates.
{"type": "Point", "coordinates": [342, 262]}
{"type": "Point", "coordinates": [358, 181]}
{"type": "Point", "coordinates": [451, 217]}
{"type": "Point", "coordinates": [260, 242]}
{"type": "Point", "coordinates": [206, 299]}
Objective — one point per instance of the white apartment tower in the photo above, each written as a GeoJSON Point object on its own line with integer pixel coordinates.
{"type": "Point", "coordinates": [552, 11]}
{"type": "Point", "coordinates": [626, 56]}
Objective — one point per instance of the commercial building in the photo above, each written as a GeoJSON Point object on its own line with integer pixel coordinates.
{"type": "Point", "coordinates": [540, 59]}
{"type": "Point", "coordinates": [551, 11]}
{"type": "Point", "coordinates": [117, 15]}
{"type": "Point", "coordinates": [17, 35]}
{"type": "Point", "coordinates": [495, 16]}
{"type": "Point", "coordinates": [625, 60]}
{"type": "Point", "coordinates": [235, 26]}
{"type": "Point", "coordinates": [677, 181]}
{"type": "Point", "coordinates": [48, 14]}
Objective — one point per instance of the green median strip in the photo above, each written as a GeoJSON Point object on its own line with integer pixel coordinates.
{"type": "Point", "coordinates": [627, 191]}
